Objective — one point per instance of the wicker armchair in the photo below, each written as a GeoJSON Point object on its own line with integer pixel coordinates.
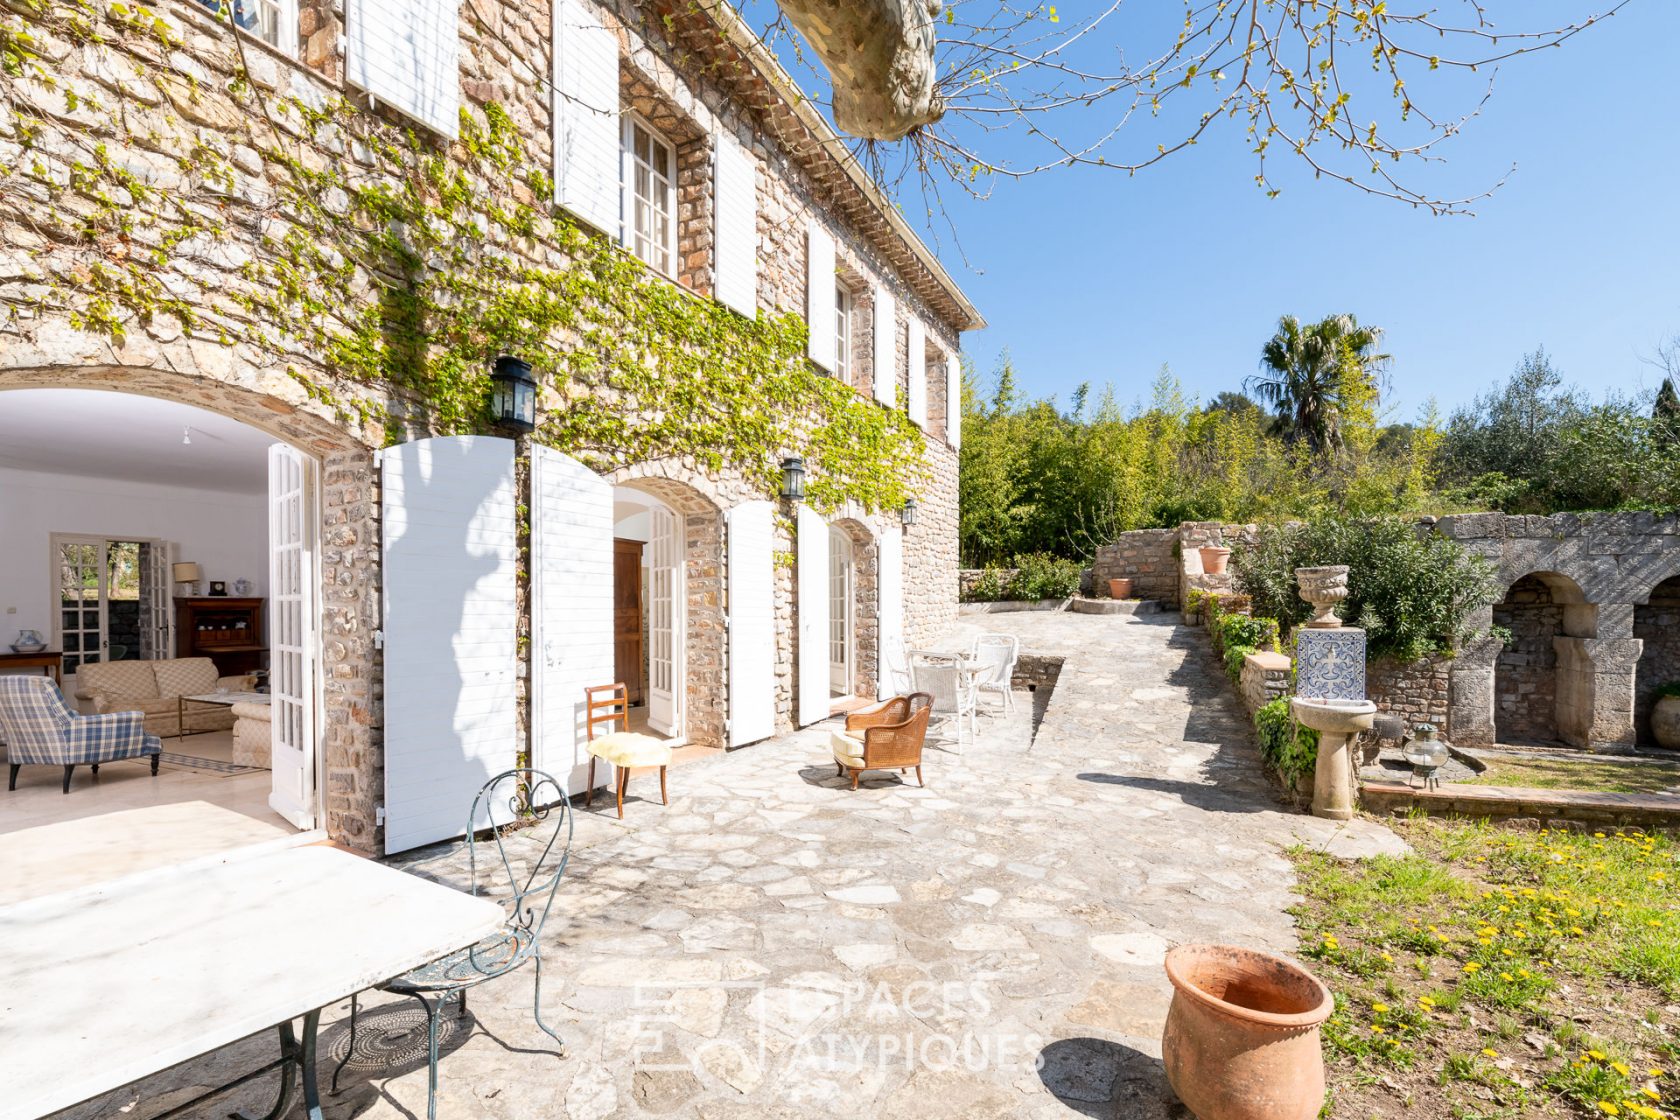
{"type": "Point", "coordinates": [886, 737]}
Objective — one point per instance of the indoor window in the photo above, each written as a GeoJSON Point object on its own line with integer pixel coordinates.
{"type": "Point", "coordinates": [650, 184]}
{"type": "Point", "coordinates": [272, 21]}
{"type": "Point", "coordinates": [842, 333]}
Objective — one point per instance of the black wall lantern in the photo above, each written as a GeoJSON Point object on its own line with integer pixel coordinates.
{"type": "Point", "coordinates": [908, 515]}
{"type": "Point", "coordinates": [793, 479]}
{"type": "Point", "coordinates": [513, 395]}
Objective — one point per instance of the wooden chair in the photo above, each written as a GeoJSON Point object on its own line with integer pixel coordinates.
{"type": "Point", "coordinates": [610, 704]}
{"type": "Point", "coordinates": [886, 737]}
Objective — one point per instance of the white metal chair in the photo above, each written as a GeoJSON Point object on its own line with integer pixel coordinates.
{"type": "Point", "coordinates": [952, 689]}
{"type": "Point", "coordinates": [997, 654]}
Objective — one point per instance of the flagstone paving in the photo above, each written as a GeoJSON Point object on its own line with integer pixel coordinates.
{"type": "Point", "coordinates": [773, 944]}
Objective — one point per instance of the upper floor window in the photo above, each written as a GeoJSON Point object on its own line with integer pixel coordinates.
{"type": "Point", "coordinates": [650, 196]}
{"type": "Point", "coordinates": [842, 333]}
{"type": "Point", "coordinates": [272, 21]}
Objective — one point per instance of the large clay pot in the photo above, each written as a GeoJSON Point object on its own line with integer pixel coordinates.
{"type": "Point", "coordinates": [1119, 589]}
{"type": "Point", "coordinates": [1214, 559]}
{"type": "Point", "coordinates": [1241, 1041]}
{"type": "Point", "coordinates": [1665, 722]}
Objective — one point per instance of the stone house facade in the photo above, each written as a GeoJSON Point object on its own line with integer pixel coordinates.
{"type": "Point", "coordinates": [142, 172]}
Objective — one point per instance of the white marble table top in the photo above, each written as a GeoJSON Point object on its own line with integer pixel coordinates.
{"type": "Point", "coordinates": [104, 986]}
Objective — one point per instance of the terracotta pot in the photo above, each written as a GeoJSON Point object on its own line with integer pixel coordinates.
{"type": "Point", "coordinates": [1665, 722]}
{"type": "Point", "coordinates": [1213, 559]}
{"type": "Point", "coordinates": [1119, 589]}
{"type": "Point", "coordinates": [1241, 1041]}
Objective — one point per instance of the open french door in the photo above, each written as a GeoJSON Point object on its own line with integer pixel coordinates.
{"type": "Point", "coordinates": [293, 562]}
{"type": "Point", "coordinates": [665, 622]}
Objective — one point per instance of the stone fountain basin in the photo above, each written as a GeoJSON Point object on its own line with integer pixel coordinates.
{"type": "Point", "coordinates": [1334, 717]}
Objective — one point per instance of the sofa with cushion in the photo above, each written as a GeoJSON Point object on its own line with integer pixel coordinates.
{"type": "Point", "coordinates": [154, 688]}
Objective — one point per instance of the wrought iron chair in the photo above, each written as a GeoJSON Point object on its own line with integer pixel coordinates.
{"type": "Point", "coordinates": [531, 793]}
{"type": "Point", "coordinates": [997, 654]}
{"type": "Point", "coordinates": [888, 736]}
{"type": "Point", "coordinates": [40, 729]}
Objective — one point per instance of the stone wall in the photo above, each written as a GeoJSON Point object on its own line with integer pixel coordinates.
{"type": "Point", "coordinates": [1265, 677]}
{"type": "Point", "coordinates": [1416, 691]}
{"type": "Point", "coordinates": [1525, 676]}
{"type": "Point", "coordinates": [1193, 536]}
{"type": "Point", "coordinates": [930, 553]}
{"type": "Point", "coordinates": [1148, 557]}
{"type": "Point", "coordinates": [1657, 624]}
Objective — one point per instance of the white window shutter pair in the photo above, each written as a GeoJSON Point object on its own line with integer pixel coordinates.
{"type": "Point", "coordinates": [586, 122]}
{"type": "Point", "coordinates": [819, 296]}
{"type": "Point", "coordinates": [953, 400]}
{"type": "Point", "coordinates": [735, 197]}
{"type": "Point", "coordinates": [886, 347]}
{"type": "Point", "coordinates": [918, 397]}
{"type": "Point", "coordinates": [405, 54]}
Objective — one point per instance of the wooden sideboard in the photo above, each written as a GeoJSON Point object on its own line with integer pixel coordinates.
{"type": "Point", "coordinates": [229, 631]}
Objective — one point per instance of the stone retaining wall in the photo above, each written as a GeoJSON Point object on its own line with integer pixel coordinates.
{"type": "Point", "coordinates": [1148, 557]}
{"type": "Point", "coordinates": [1416, 691]}
{"type": "Point", "coordinates": [1265, 677]}
{"type": "Point", "coordinates": [1526, 808]}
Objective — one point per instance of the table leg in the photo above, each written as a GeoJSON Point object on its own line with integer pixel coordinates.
{"type": "Point", "coordinates": [288, 1058]}
{"type": "Point", "coordinates": [311, 1088]}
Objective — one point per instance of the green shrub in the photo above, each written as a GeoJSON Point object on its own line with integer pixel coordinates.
{"type": "Point", "coordinates": [1288, 748]}
{"type": "Point", "coordinates": [1240, 635]}
{"type": "Point", "coordinates": [987, 589]}
{"type": "Point", "coordinates": [1411, 591]}
{"type": "Point", "coordinates": [1039, 575]}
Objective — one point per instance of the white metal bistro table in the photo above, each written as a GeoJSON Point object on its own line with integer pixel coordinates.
{"type": "Point", "coordinates": [217, 699]}
{"type": "Point", "coordinates": [103, 986]}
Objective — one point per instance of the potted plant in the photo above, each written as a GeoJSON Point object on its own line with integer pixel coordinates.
{"type": "Point", "coordinates": [1241, 1041]}
{"type": "Point", "coordinates": [1120, 589]}
{"type": "Point", "coordinates": [1214, 559]}
{"type": "Point", "coordinates": [1665, 717]}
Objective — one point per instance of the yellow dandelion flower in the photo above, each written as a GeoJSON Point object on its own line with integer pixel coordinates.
{"type": "Point", "coordinates": [1595, 1055]}
{"type": "Point", "coordinates": [1507, 977]}
{"type": "Point", "coordinates": [1377, 1030]}
{"type": "Point", "coordinates": [1577, 931]}
{"type": "Point", "coordinates": [1609, 1109]}
{"type": "Point", "coordinates": [1388, 958]}
{"type": "Point", "coordinates": [1425, 1002]}
{"type": "Point", "coordinates": [1379, 1008]}
{"type": "Point", "coordinates": [1471, 966]}
{"type": "Point", "coordinates": [1654, 1072]}
{"type": "Point", "coordinates": [1651, 1092]}
{"type": "Point", "coordinates": [1490, 1052]}
{"type": "Point", "coordinates": [1621, 1068]}
{"type": "Point", "coordinates": [1507, 952]}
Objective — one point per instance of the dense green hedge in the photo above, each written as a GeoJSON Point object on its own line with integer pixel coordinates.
{"type": "Point", "coordinates": [1036, 575]}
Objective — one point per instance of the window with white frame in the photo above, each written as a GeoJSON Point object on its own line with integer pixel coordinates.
{"type": "Point", "coordinates": [272, 21]}
{"type": "Point", "coordinates": [842, 333]}
{"type": "Point", "coordinates": [650, 196]}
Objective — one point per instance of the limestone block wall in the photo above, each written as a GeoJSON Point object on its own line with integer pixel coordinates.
{"type": "Point", "coordinates": [930, 553]}
{"type": "Point", "coordinates": [1657, 624]}
{"type": "Point", "coordinates": [1265, 677]}
{"type": "Point", "coordinates": [1416, 691]}
{"type": "Point", "coordinates": [1525, 676]}
{"type": "Point", "coordinates": [1148, 557]}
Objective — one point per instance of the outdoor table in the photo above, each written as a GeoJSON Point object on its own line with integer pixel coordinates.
{"type": "Point", "coordinates": [111, 983]}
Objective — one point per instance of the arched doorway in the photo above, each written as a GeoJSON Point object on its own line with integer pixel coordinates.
{"type": "Point", "coordinates": [1542, 681]}
{"type": "Point", "coordinates": [1657, 623]}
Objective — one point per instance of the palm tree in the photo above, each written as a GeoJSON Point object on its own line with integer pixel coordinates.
{"type": "Point", "coordinates": [1309, 372]}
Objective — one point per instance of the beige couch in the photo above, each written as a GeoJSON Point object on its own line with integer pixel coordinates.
{"type": "Point", "coordinates": [154, 687]}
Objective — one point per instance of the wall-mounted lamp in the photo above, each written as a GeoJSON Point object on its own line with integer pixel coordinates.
{"type": "Point", "coordinates": [513, 395]}
{"type": "Point", "coordinates": [908, 515]}
{"type": "Point", "coordinates": [793, 479]}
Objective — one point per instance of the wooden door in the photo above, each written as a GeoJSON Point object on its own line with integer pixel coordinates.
{"type": "Point", "coordinates": [627, 616]}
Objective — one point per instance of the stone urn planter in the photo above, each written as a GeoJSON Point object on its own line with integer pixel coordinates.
{"type": "Point", "coordinates": [1241, 1041]}
{"type": "Point", "coordinates": [1665, 720]}
{"type": "Point", "coordinates": [1120, 589]}
{"type": "Point", "coordinates": [1323, 588]}
{"type": "Point", "coordinates": [1214, 559]}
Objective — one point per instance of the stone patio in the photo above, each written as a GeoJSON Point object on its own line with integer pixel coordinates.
{"type": "Point", "coordinates": [774, 945]}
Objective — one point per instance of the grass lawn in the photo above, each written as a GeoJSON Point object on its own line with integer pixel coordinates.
{"type": "Point", "coordinates": [1568, 773]}
{"type": "Point", "coordinates": [1499, 973]}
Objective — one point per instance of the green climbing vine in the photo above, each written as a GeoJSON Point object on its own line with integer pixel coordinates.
{"type": "Point", "coordinates": [386, 271]}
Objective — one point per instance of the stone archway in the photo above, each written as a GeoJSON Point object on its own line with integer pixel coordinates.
{"type": "Point", "coordinates": [349, 737]}
{"type": "Point", "coordinates": [696, 497]}
{"type": "Point", "coordinates": [1656, 622]}
{"type": "Point", "coordinates": [1536, 690]}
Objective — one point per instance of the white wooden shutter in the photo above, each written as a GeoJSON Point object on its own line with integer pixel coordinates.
{"type": "Point", "coordinates": [819, 296]}
{"type": "Point", "coordinates": [571, 610]}
{"type": "Point", "coordinates": [918, 397]}
{"type": "Point", "coordinates": [886, 347]}
{"type": "Point", "coordinates": [813, 607]}
{"type": "Point", "coordinates": [893, 672]}
{"type": "Point", "coordinates": [404, 53]}
{"type": "Point", "coordinates": [735, 198]}
{"type": "Point", "coordinates": [451, 622]}
{"type": "Point", "coordinates": [953, 400]}
{"type": "Point", "coordinates": [586, 123]}
{"type": "Point", "coordinates": [292, 610]}
{"type": "Point", "coordinates": [752, 623]}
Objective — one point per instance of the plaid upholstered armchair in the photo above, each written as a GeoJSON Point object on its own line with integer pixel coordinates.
{"type": "Point", "coordinates": [41, 730]}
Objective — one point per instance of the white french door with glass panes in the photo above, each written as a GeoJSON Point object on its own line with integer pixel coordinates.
{"type": "Point", "coordinates": [650, 196]}
{"type": "Point", "coordinates": [839, 613]}
{"type": "Point", "coordinates": [293, 681]}
{"type": "Point", "coordinates": [101, 586]}
{"type": "Point", "coordinates": [666, 629]}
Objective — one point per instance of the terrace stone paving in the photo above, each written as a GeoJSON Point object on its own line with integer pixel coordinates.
{"type": "Point", "coordinates": [776, 945]}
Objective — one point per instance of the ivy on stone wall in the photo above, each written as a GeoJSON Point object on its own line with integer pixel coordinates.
{"type": "Point", "coordinates": [396, 265]}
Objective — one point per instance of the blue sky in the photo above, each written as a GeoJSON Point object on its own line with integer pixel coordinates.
{"type": "Point", "coordinates": [1088, 275]}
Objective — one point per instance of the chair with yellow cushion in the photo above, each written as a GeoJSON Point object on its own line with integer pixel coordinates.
{"type": "Point", "coordinates": [625, 750]}
{"type": "Point", "coordinates": [888, 736]}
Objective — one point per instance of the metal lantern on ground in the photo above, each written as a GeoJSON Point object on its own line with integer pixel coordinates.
{"type": "Point", "coordinates": [513, 395]}
{"type": "Point", "coordinates": [793, 479]}
{"type": "Point", "coordinates": [908, 515]}
{"type": "Point", "coordinates": [1426, 753]}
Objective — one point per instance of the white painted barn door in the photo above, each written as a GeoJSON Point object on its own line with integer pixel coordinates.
{"type": "Point", "coordinates": [293, 681]}
{"type": "Point", "coordinates": [752, 623]}
{"type": "Point", "coordinates": [451, 619]}
{"type": "Point", "coordinates": [571, 610]}
{"type": "Point", "coordinates": [813, 608]}
{"type": "Point", "coordinates": [893, 664]}
{"type": "Point", "coordinates": [666, 597]}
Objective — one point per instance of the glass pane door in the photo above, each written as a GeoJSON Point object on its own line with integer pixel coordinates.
{"type": "Point", "coordinates": [81, 594]}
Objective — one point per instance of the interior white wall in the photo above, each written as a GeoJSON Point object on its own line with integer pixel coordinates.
{"type": "Point", "coordinates": [226, 534]}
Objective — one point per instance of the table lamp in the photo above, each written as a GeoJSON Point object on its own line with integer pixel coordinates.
{"type": "Point", "coordinates": [188, 573]}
